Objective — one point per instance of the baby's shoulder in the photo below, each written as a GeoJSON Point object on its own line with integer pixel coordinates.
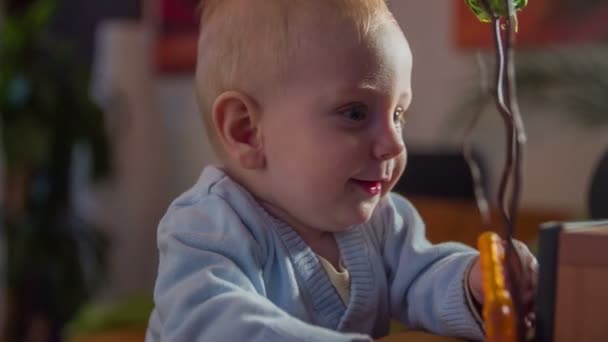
{"type": "Point", "coordinates": [209, 220]}
{"type": "Point", "coordinates": [196, 211]}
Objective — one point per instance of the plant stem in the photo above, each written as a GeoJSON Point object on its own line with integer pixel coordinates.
{"type": "Point", "coordinates": [507, 105]}
{"type": "Point", "coordinates": [516, 146]}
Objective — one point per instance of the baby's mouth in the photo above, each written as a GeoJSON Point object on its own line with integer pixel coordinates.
{"type": "Point", "coordinates": [372, 187]}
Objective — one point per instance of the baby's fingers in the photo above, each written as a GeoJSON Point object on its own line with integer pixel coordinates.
{"type": "Point", "coordinates": [526, 272]}
{"type": "Point", "coordinates": [526, 277]}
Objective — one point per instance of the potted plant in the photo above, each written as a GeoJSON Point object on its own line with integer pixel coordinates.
{"type": "Point", "coordinates": [569, 82]}
{"type": "Point", "coordinates": [53, 256]}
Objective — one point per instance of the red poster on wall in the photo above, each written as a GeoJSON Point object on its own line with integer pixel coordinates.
{"type": "Point", "coordinates": [177, 36]}
{"type": "Point", "coordinates": [541, 23]}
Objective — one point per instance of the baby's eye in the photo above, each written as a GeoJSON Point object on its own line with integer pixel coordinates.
{"type": "Point", "coordinates": [355, 113]}
{"type": "Point", "coordinates": [399, 115]}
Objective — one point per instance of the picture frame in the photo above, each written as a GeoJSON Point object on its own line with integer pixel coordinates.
{"type": "Point", "coordinates": [177, 24]}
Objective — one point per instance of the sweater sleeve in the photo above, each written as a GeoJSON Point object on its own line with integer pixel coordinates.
{"type": "Point", "coordinates": [210, 287]}
{"type": "Point", "coordinates": [427, 282]}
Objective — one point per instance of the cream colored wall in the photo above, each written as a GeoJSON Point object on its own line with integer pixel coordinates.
{"type": "Point", "coordinates": [160, 149]}
{"type": "Point", "coordinates": [132, 202]}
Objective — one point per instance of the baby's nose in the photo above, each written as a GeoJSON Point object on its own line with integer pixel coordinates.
{"type": "Point", "coordinates": [389, 145]}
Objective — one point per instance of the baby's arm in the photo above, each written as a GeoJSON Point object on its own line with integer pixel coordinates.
{"type": "Point", "coordinates": [427, 282]}
{"type": "Point", "coordinates": [210, 286]}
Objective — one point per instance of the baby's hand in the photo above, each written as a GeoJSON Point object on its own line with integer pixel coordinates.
{"type": "Point", "coordinates": [531, 274]}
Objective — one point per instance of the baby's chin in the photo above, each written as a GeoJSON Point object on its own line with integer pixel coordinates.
{"type": "Point", "coordinates": [359, 215]}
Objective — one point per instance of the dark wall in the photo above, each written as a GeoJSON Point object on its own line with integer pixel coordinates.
{"type": "Point", "coordinates": [77, 20]}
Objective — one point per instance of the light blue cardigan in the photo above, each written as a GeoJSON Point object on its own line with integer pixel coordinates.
{"type": "Point", "coordinates": [229, 271]}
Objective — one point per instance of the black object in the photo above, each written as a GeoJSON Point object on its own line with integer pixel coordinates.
{"type": "Point", "coordinates": [547, 276]}
{"type": "Point", "coordinates": [442, 174]}
{"type": "Point", "coordinates": [598, 191]}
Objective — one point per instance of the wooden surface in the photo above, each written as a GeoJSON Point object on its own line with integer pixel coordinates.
{"type": "Point", "coordinates": [135, 335]}
{"type": "Point", "coordinates": [139, 336]}
{"type": "Point", "coordinates": [417, 337]}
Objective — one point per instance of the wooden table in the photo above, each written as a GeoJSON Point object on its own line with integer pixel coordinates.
{"type": "Point", "coordinates": [134, 335]}
{"type": "Point", "coordinates": [417, 337]}
{"type": "Point", "coordinates": [139, 336]}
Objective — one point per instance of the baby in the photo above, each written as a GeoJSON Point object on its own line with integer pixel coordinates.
{"type": "Point", "coordinates": [297, 237]}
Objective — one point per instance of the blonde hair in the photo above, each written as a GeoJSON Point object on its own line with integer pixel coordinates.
{"type": "Point", "coordinates": [247, 45]}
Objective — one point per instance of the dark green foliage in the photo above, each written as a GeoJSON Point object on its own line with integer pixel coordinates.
{"type": "Point", "coordinates": [55, 259]}
{"type": "Point", "coordinates": [44, 103]}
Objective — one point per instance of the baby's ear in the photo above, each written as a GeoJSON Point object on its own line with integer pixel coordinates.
{"type": "Point", "coordinates": [236, 120]}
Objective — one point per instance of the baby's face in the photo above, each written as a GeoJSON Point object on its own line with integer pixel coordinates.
{"type": "Point", "coordinates": [333, 138]}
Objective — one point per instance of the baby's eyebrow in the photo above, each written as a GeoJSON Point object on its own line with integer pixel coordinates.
{"type": "Point", "coordinates": [372, 89]}
{"type": "Point", "coordinates": [367, 88]}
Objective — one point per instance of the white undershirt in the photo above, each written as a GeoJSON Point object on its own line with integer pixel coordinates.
{"type": "Point", "coordinates": [340, 279]}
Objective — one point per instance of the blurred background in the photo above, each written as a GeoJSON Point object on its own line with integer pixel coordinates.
{"type": "Point", "coordinates": [100, 131]}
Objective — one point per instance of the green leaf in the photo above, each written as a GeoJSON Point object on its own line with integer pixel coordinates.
{"type": "Point", "coordinates": [497, 8]}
